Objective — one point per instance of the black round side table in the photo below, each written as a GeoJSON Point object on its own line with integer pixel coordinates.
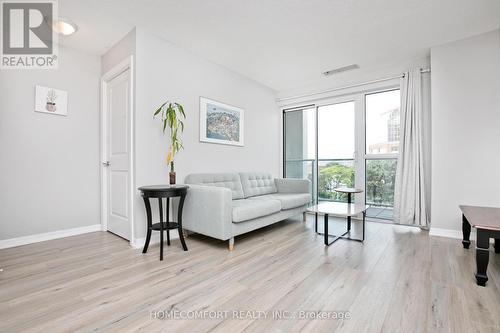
{"type": "Point", "coordinates": [160, 192]}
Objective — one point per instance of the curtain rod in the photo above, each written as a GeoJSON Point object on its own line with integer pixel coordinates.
{"type": "Point", "coordinates": [422, 70]}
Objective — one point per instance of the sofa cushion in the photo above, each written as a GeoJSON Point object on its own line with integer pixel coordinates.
{"type": "Point", "coordinates": [257, 183]}
{"type": "Point", "coordinates": [288, 200]}
{"type": "Point", "coordinates": [227, 180]}
{"type": "Point", "coordinates": [246, 209]}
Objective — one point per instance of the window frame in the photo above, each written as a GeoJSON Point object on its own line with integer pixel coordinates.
{"type": "Point", "coordinates": [367, 157]}
{"type": "Point", "coordinates": [360, 157]}
{"type": "Point", "coordinates": [376, 156]}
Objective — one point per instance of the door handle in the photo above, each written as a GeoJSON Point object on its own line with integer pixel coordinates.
{"type": "Point", "coordinates": [106, 164]}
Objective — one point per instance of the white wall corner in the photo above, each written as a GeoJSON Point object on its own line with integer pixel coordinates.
{"type": "Point", "coordinates": [18, 241]}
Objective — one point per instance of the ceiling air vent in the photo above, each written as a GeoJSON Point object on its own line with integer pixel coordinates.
{"type": "Point", "coordinates": [341, 69]}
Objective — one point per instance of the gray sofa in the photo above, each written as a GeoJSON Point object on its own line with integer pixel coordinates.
{"type": "Point", "coordinates": [225, 205]}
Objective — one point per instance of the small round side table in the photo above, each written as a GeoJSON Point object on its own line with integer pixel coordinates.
{"type": "Point", "coordinates": [350, 191]}
{"type": "Point", "coordinates": [159, 192]}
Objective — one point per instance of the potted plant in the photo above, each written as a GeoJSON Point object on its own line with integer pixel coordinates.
{"type": "Point", "coordinates": [171, 114]}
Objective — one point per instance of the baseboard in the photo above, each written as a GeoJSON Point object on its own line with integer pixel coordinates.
{"type": "Point", "coordinates": [455, 234]}
{"type": "Point", "coordinates": [18, 241]}
{"type": "Point", "coordinates": [448, 233]}
{"type": "Point", "coordinates": [138, 243]}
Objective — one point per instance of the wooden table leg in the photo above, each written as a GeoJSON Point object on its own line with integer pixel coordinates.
{"type": "Point", "coordinates": [465, 232]}
{"type": "Point", "coordinates": [150, 223]}
{"type": "Point", "coordinates": [179, 222]}
{"type": "Point", "coordinates": [168, 219]}
{"type": "Point", "coordinates": [482, 256]}
{"type": "Point", "coordinates": [160, 205]}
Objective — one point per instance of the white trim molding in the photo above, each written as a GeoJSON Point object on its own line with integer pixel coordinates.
{"type": "Point", "coordinates": [455, 234]}
{"type": "Point", "coordinates": [18, 241]}
{"type": "Point", "coordinates": [448, 233]}
{"type": "Point", "coordinates": [126, 64]}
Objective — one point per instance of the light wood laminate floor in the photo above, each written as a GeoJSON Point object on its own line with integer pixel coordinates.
{"type": "Point", "coordinates": [399, 280]}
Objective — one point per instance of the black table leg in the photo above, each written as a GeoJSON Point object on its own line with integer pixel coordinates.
{"type": "Point", "coordinates": [364, 218]}
{"type": "Point", "coordinates": [465, 232]}
{"type": "Point", "coordinates": [168, 217]}
{"type": "Point", "coordinates": [326, 230]}
{"type": "Point", "coordinates": [348, 218]}
{"type": "Point", "coordinates": [150, 224]}
{"type": "Point", "coordinates": [179, 222]}
{"type": "Point", "coordinates": [482, 256]}
{"type": "Point", "coordinates": [160, 205]}
{"type": "Point", "coordinates": [337, 237]}
{"type": "Point", "coordinates": [316, 222]}
{"type": "Point", "coordinates": [497, 245]}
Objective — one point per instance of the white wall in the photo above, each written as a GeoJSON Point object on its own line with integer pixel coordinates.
{"type": "Point", "coordinates": [465, 127]}
{"type": "Point", "coordinates": [118, 52]}
{"type": "Point", "coordinates": [49, 164]}
{"type": "Point", "coordinates": [353, 77]}
{"type": "Point", "coordinates": [166, 72]}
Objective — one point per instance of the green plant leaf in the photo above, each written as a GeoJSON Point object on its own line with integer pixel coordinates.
{"type": "Point", "coordinates": [181, 109]}
{"type": "Point", "coordinates": [171, 116]}
{"type": "Point", "coordinates": [159, 109]}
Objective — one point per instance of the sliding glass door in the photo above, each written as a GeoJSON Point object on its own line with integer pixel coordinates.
{"type": "Point", "coordinates": [348, 142]}
{"type": "Point", "coordinates": [299, 128]}
{"type": "Point", "coordinates": [336, 147]}
{"type": "Point", "coordinates": [382, 149]}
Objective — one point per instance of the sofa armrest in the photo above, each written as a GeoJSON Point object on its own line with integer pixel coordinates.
{"type": "Point", "coordinates": [291, 185]}
{"type": "Point", "coordinates": [208, 211]}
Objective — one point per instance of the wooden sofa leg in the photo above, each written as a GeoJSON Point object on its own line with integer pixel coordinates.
{"type": "Point", "coordinates": [231, 244]}
{"type": "Point", "coordinates": [304, 217]}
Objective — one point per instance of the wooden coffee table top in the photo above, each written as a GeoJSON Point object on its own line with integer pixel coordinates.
{"type": "Point", "coordinates": [338, 208]}
{"type": "Point", "coordinates": [482, 217]}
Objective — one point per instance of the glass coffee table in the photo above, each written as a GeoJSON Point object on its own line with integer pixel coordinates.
{"type": "Point", "coordinates": [341, 209]}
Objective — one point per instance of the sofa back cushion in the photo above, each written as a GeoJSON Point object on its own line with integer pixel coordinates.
{"type": "Point", "coordinates": [228, 180]}
{"type": "Point", "coordinates": [257, 183]}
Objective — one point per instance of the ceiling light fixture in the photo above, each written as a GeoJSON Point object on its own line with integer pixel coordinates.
{"type": "Point", "coordinates": [64, 27]}
{"type": "Point", "coordinates": [341, 69]}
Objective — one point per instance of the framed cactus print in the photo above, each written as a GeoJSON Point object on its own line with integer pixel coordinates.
{"type": "Point", "coordinates": [51, 100]}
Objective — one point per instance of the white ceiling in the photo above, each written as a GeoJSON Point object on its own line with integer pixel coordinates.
{"type": "Point", "coordinates": [284, 44]}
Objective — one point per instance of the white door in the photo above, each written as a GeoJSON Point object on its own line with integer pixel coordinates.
{"type": "Point", "coordinates": [116, 166]}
